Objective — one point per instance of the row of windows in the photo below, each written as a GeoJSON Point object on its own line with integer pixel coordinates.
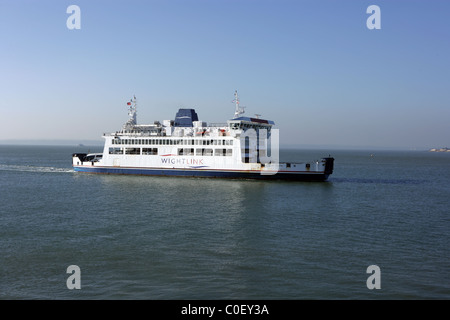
{"type": "Point", "coordinates": [181, 151]}
{"type": "Point", "coordinates": [205, 152]}
{"type": "Point", "coordinates": [169, 142]}
{"type": "Point", "coordinates": [245, 126]}
{"type": "Point", "coordinates": [137, 151]}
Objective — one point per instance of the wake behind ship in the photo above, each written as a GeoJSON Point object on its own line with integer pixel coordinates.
{"type": "Point", "coordinates": [243, 147]}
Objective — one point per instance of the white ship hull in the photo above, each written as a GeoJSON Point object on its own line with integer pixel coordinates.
{"type": "Point", "coordinates": [298, 171]}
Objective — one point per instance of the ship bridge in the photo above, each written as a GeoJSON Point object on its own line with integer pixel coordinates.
{"type": "Point", "coordinates": [241, 123]}
{"type": "Point", "coordinates": [244, 123]}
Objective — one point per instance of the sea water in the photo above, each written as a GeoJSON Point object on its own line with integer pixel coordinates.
{"type": "Point", "coordinates": [141, 237]}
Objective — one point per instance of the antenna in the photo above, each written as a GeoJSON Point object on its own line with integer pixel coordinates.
{"type": "Point", "coordinates": [239, 109]}
{"type": "Point", "coordinates": [132, 110]}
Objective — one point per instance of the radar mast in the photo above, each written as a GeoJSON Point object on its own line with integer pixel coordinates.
{"type": "Point", "coordinates": [132, 110]}
{"type": "Point", "coordinates": [239, 109]}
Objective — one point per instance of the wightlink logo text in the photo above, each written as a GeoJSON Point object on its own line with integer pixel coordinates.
{"type": "Point", "coordinates": [182, 161]}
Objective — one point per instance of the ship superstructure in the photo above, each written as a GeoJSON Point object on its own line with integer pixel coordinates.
{"type": "Point", "coordinates": [243, 147]}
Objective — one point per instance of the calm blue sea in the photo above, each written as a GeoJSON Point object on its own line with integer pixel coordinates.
{"type": "Point", "coordinates": [137, 237]}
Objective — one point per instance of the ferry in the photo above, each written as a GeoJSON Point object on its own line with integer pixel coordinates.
{"type": "Point", "coordinates": [243, 147]}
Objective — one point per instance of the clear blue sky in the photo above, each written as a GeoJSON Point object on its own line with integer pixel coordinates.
{"type": "Point", "coordinates": [311, 66]}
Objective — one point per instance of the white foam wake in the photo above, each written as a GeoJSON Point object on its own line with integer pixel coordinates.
{"type": "Point", "coordinates": [31, 168]}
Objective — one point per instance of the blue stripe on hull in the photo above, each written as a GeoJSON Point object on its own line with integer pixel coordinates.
{"type": "Point", "coordinates": [204, 173]}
